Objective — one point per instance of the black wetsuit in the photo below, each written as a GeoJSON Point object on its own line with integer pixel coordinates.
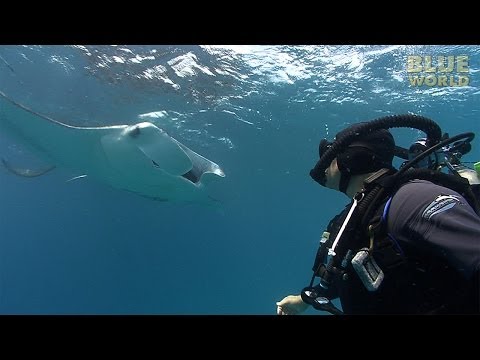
{"type": "Point", "coordinates": [439, 235]}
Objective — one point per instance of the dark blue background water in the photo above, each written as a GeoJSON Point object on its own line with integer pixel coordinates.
{"type": "Point", "coordinates": [81, 247]}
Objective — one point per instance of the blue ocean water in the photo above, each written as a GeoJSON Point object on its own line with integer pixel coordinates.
{"type": "Point", "coordinates": [81, 247]}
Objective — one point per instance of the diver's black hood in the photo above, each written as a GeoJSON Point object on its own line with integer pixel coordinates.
{"type": "Point", "coordinates": [368, 146]}
{"type": "Point", "coordinates": [369, 153]}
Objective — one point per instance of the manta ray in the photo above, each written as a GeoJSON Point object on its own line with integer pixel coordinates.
{"type": "Point", "coordinates": [141, 158]}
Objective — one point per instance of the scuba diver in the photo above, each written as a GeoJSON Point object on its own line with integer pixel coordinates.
{"type": "Point", "coordinates": [409, 240]}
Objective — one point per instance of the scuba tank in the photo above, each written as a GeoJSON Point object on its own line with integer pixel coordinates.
{"type": "Point", "coordinates": [447, 159]}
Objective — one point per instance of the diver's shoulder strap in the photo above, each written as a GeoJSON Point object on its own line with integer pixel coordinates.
{"type": "Point", "coordinates": [386, 250]}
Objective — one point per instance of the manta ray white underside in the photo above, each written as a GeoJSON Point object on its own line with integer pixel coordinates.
{"type": "Point", "coordinates": [140, 158]}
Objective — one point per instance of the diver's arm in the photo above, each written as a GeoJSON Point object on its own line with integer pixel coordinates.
{"type": "Point", "coordinates": [439, 220]}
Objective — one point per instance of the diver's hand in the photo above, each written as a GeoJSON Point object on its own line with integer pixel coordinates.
{"type": "Point", "coordinates": [291, 305]}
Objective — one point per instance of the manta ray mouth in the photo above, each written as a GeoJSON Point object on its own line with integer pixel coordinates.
{"type": "Point", "coordinates": [191, 176]}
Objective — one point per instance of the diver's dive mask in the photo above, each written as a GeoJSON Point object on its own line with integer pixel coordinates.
{"type": "Point", "coordinates": [317, 173]}
{"type": "Point", "coordinates": [358, 157]}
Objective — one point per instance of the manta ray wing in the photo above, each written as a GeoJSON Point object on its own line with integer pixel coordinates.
{"type": "Point", "coordinates": [26, 172]}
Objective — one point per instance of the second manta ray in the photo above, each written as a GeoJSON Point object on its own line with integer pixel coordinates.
{"type": "Point", "coordinates": [141, 158]}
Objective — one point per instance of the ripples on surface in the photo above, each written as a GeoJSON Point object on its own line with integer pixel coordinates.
{"type": "Point", "coordinates": [176, 85]}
